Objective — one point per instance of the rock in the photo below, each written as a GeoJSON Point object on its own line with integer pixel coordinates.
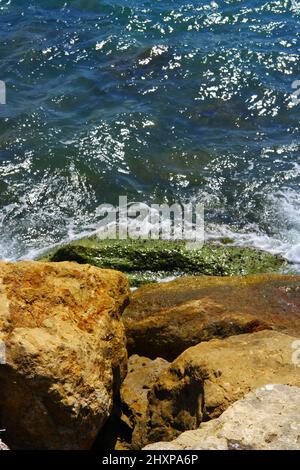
{"type": "Point", "coordinates": [266, 419]}
{"type": "Point", "coordinates": [3, 446]}
{"type": "Point", "coordinates": [65, 352]}
{"type": "Point", "coordinates": [206, 379]}
{"type": "Point", "coordinates": [165, 319]}
{"type": "Point", "coordinates": [126, 424]}
{"type": "Point", "coordinates": [142, 374]}
{"type": "Point", "coordinates": [147, 261]}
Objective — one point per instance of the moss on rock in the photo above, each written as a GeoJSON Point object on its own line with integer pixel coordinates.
{"type": "Point", "coordinates": [147, 261]}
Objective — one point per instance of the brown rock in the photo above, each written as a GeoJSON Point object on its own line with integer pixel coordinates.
{"type": "Point", "coordinates": [165, 319]}
{"type": "Point", "coordinates": [65, 352]}
{"type": "Point", "coordinates": [125, 427]}
{"type": "Point", "coordinates": [142, 374]}
{"type": "Point", "coordinates": [206, 379]}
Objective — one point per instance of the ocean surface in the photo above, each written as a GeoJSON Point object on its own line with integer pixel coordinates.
{"type": "Point", "coordinates": [162, 101]}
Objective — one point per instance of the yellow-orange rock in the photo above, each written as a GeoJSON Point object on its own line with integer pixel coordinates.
{"type": "Point", "coordinates": [65, 352]}
{"type": "Point", "coordinates": [165, 319]}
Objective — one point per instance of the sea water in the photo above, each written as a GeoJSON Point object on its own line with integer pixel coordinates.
{"type": "Point", "coordinates": [163, 101]}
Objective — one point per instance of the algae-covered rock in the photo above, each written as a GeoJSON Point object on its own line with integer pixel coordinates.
{"type": "Point", "coordinates": [142, 278]}
{"type": "Point", "coordinates": [148, 260]}
{"type": "Point", "coordinates": [164, 319]}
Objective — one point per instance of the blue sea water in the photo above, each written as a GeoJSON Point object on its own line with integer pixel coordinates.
{"type": "Point", "coordinates": [162, 101]}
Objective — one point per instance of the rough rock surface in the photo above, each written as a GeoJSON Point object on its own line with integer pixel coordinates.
{"type": "Point", "coordinates": [266, 419]}
{"type": "Point", "coordinates": [165, 319]}
{"type": "Point", "coordinates": [65, 352]}
{"type": "Point", "coordinates": [142, 374]}
{"type": "Point", "coordinates": [206, 379]}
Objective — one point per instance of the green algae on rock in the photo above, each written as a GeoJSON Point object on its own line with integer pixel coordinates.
{"type": "Point", "coordinates": [147, 260]}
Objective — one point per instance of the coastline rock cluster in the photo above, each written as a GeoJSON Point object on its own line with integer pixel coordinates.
{"type": "Point", "coordinates": [206, 379]}
{"type": "Point", "coordinates": [201, 362]}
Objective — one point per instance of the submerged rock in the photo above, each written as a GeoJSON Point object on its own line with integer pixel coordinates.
{"type": "Point", "coordinates": [146, 260]}
{"type": "Point", "coordinates": [206, 379]}
{"type": "Point", "coordinates": [163, 320]}
{"type": "Point", "coordinates": [266, 419]}
{"type": "Point", "coordinates": [65, 352]}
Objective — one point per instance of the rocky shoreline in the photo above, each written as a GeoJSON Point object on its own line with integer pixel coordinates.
{"type": "Point", "coordinates": [205, 361]}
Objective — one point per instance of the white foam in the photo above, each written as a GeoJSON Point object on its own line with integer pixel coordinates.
{"type": "Point", "coordinates": [282, 207]}
{"type": "Point", "coordinates": [284, 221]}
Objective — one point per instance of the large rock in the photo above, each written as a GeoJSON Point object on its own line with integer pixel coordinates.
{"type": "Point", "coordinates": [147, 261]}
{"type": "Point", "coordinates": [65, 352]}
{"type": "Point", "coordinates": [165, 319]}
{"type": "Point", "coordinates": [206, 379]}
{"type": "Point", "coordinates": [266, 419]}
{"type": "Point", "coordinates": [142, 375]}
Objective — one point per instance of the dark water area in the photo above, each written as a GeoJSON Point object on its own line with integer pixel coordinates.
{"type": "Point", "coordinates": [162, 101]}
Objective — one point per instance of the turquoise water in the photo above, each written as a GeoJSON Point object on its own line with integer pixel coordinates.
{"type": "Point", "coordinates": [162, 101]}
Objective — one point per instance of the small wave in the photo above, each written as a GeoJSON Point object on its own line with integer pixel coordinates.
{"type": "Point", "coordinates": [283, 239]}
